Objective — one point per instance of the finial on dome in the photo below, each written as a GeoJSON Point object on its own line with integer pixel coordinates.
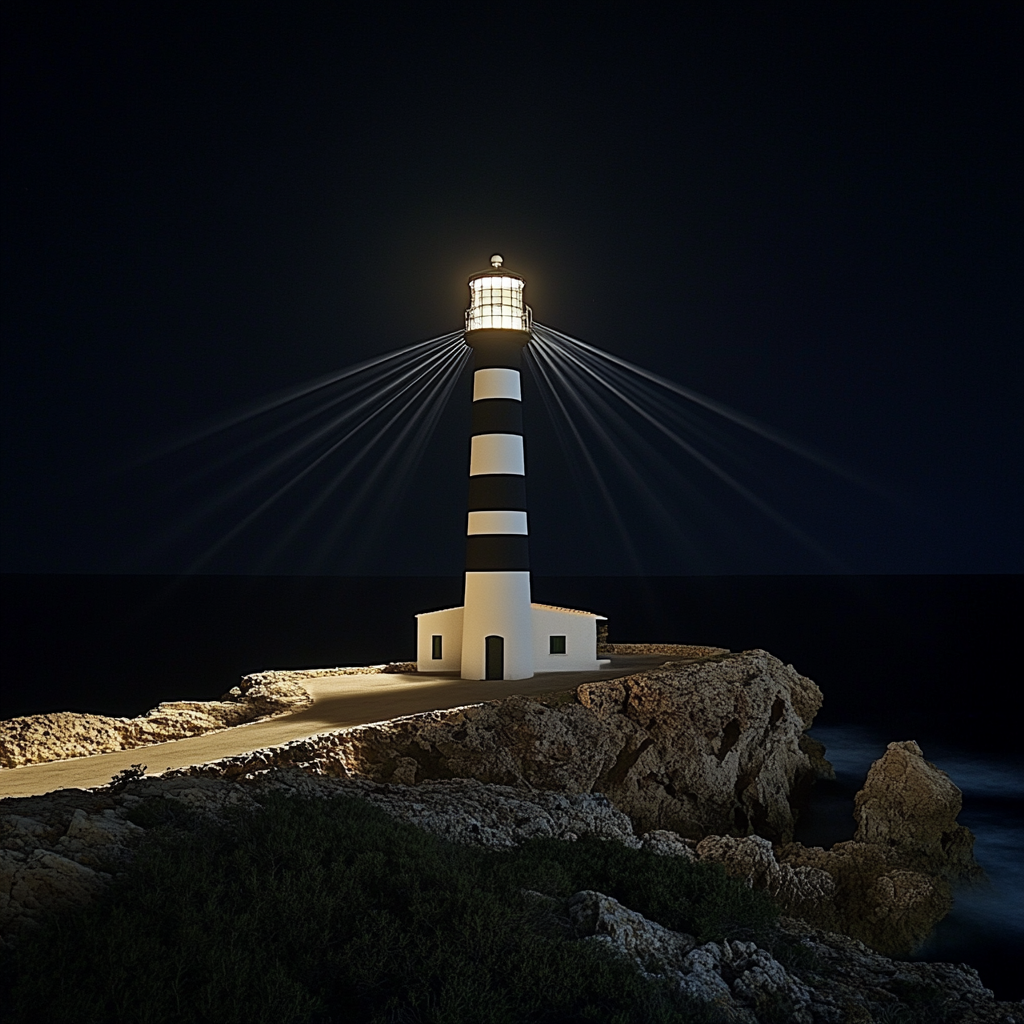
{"type": "Point", "coordinates": [496, 261]}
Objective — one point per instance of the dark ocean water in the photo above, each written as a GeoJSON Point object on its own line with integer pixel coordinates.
{"type": "Point", "coordinates": [929, 658]}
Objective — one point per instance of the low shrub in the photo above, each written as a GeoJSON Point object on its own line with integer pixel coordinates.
{"type": "Point", "coordinates": [320, 911]}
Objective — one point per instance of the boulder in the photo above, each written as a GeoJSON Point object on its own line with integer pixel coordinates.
{"type": "Point", "coordinates": [651, 946]}
{"type": "Point", "coordinates": [910, 806]}
{"type": "Point", "coordinates": [752, 859]}
{"type": "Point", "coordinates": [737, 976]}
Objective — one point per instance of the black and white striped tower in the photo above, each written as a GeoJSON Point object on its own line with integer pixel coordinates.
{"type": "Point", "coordinates": [497, 629]}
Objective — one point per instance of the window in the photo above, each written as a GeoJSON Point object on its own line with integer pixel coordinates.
{"type": "Point", "coordinates": [496, 302]}
{"type": "Point", "coordinates": [557, 645]}
{"type": "Point", "coordinates": [435, 647]}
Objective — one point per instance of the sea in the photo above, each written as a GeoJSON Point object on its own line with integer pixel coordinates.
{"type": "Point", "coordinates": [936, 659]}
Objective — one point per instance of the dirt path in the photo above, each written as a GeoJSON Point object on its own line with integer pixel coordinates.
{"type": "Point", "coordinates": [338, 702]}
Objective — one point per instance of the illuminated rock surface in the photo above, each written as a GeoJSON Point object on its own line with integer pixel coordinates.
{"type": "Point", "coordinates": [63, 734]}
{"type": "Point", "coordinates": [704, 748]}
{"type": "Point", "coordinates": [685, 760]}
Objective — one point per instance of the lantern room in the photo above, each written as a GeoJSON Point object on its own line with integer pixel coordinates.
{"type": "Point", "coordinates": [496, 301]}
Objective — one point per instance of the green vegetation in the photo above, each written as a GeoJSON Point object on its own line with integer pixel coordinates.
{"type": "Point", "coordinates": [317, 910]}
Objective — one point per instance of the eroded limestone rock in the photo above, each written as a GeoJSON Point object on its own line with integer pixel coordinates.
{"type": "Point", "coordinates": [500, 817]}
{"type": "Point", "coordinates": [689, 756]}
{"type": "Point", "coordinates": [669, 844]}
{"type": "Point", "coordinates": [911, 807]}
{"type": "Point", "coordinates": [32, 884]}
{"type": "Point", "coordinates": [63, 734]}
{"type": "Point", "coordinates": [752, 859]}
{"type": "Point", "coordinates": [736, 976]}
{"type": "Point", "coordinates": [707, 747]}
{"type": "Point", "coordinates": [836, 980]}
{"type": "Point", "coordinates": [650, 945]}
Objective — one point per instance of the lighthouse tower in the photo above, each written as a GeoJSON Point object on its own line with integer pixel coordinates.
{"type": "Point", "coordinates": [497, 628]}
{"type": "Point", "coordinates": [498, 633]}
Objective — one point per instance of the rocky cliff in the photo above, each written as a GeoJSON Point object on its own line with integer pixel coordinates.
{"type": "Point", "coordinates": [714, 746]}
{"type": "Point", "coordinates": [712, 753]}
{"type": "Point", "coordinates": [706, 760]}
{"type": "Point", "coordinates": [60, 850]}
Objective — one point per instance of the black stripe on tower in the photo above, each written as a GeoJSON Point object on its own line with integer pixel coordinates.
{"type": "Point", "coordinates": [497, 348]}
{"type": "Point", "coordinates": [503, 492]}
{"type": "Point", "coordinates": [497, 416]}
{"type": "Point", "coordinates": [491, 552]}
{"type": "Point", "coordinates": [497, 492]}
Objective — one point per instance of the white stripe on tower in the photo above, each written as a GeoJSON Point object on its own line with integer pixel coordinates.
{"type": "Point", "coordinates": [497, 522]}
{"type": "Point", "coordinates": [497, 382]}
{"type": "Point", "coordinates": [490, 454]}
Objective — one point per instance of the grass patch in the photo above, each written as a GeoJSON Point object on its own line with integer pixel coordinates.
{"type": "Point", "coordinates": [330, 910]}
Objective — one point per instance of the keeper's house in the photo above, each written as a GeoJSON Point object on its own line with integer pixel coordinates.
{"type": "Point", "coordinates": [564, 640]}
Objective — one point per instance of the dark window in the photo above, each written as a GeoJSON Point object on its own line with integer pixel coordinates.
{"type": "Point", "coordinates": [435, 647]}
{"type": "Point", "coordinates": [558, 645]}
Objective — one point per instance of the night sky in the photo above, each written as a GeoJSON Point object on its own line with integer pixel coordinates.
{"type": "Point", "coordinates": [810, 212]}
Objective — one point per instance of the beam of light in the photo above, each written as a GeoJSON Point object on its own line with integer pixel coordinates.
{"type": "Point", "coordinates": [437, 389]}
{"type": "Point", "coordinates": [616, 434]}
{"type": "Point", "coordinates": [741, 489]}
{"type": "Point", "coordinates": [377, 404]}
{"type": "Point", "coordinates": [413, 400]}
{"type": "Point", "coordinates": [396, 473]}
{"type": "Point", "coordinates": [656, 401]}
{"type": "Point", "coordinates": [408, 382]}
{"type": "Point", "coordinates": [552, 398]}
{"type": "Point", "coordinates": [395, 380]}
{"type": "Point", "coordinates": [741, 419]}
{"type": "Point", "coordinates": [603, 420]}
{"type": "Point", "coordinates": [390, 376]}
{"type": "Point", "coordinates": [292, 394]}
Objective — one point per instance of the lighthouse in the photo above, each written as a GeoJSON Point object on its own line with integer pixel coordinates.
{"type": "Point", "coordinates": [497, 627]}
{"type": "Point", "coordinates": [499, 633]}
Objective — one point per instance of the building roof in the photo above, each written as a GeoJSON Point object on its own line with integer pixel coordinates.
{"type": "Point", "coordinates": [569, 611]}
{"type": "Point", "coordinates": [544, 607]}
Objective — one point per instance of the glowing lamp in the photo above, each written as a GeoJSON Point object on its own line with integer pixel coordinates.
{"type": "Point", "coordinates": [496, 301]}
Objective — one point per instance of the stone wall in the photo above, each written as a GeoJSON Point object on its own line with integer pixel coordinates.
{"type": "Point", "coordinates": [670, 650]}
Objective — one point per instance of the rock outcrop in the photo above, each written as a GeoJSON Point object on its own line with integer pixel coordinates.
{"type": "Point", "coordinates": [828, 977]}
{"type": "Point", "coordinates": [910, 806]}
{"type": "Point", "coordinates": [709, 747]}
{"type": "Point", "coordinates": [735, 976]}
{"type": "Point", "coordinates": [702, 760]}
{"type": "Point", "coordinates": [63, 734]}
{"type": "Point", "coordinates": [859, 889]}
{"type": "Point", "coordinates": [891, 883]}
{"type": "Point", "coordinates": [59, 850]}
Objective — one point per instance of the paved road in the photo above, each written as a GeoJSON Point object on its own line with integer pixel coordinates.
{"type": "Point", "coordinates": [338, 702]}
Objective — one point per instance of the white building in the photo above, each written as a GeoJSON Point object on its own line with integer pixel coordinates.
{"type": "Point", "coordinates": [564, 640]}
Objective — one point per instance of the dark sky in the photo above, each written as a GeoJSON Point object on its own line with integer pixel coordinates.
{"type": "Point", "coordinates": [809, 212]}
